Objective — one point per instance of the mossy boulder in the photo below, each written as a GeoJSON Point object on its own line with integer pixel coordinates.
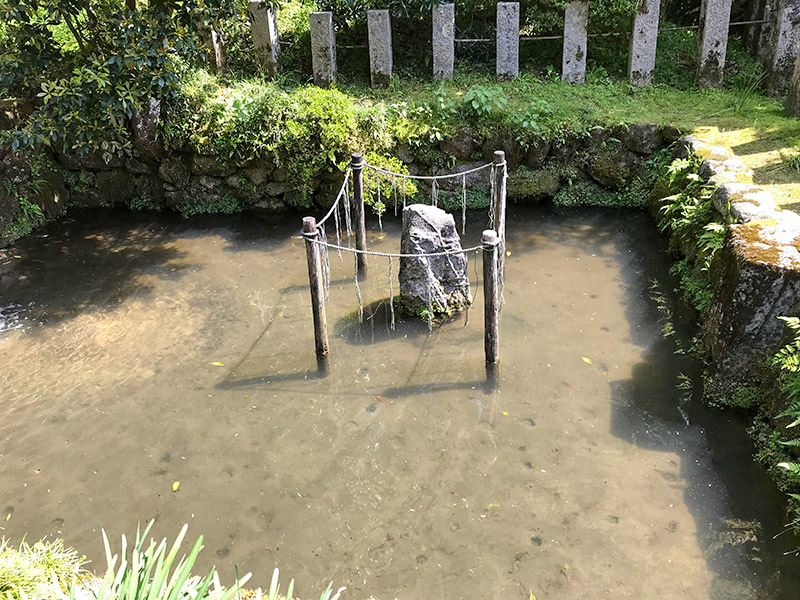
{"type": "Point", "coordinates": [506, 143]}
{"type": "Point", "coordinates": [642, 138]}
{"type": "Point", "coordinates": [214, 166]}
{"type": "Point", "coordinates": [9, 207]}
{"type": "Point", "coordinates": [461, 146]}
{"type": "Point", "coordinates": [533, 185]}
{"type": "Point", "coordinates": [175, 172]}
{"type": "Point", "coordinates": [536, 155]}
{"type": "Point", "coordinates": [615, 167]}
{"type": "Point", "coordinates": [114, 187]}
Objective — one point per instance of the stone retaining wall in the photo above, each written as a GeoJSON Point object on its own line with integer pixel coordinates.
{"type": "Point", "coordinates": [191, 183]}
{"type": "Point", "coordinates": [757, 275]}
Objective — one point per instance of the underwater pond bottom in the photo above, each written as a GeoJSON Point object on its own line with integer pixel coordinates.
{"type": "Point", "coordinates": [140, 353]}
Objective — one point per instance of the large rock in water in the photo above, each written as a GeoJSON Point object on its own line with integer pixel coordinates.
{"type": "Point", "coordinates": [440, 282]}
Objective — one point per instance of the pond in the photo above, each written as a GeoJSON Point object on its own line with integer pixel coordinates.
{"type": "Point", "coordinates": [140, 351]}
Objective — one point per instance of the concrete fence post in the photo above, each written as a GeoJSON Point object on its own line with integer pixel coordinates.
{"type": "Point", "coordinates": [323, 48]}
{"type": "Point", "coordinates": [764, 43]}
{"type": "Point", "coordinates": [642, 55]}
{"type": "Point", "coordinates": [443, 40]}
{"type": "Point", "coordinates": [379, 32]}
{"type": "Point", "coordinates": [264, 28]}
{"type": "Point", "coordinates": [754, 13]}
{"type": "Point", "coordinates": [785, 43]}
{"type": "Point", "coordinates": [573, 61]}
{"type": "Point", "coordinates": [507, 41]}
{"type": "Point", "coordinates": [715, 18]}
{"type": "Point", "coordinates": [793, 96]}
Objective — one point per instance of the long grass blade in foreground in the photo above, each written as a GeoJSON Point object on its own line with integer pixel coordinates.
{"type": "Point", "coordinates": [149, 574]}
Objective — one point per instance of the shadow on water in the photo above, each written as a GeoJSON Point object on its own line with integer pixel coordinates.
{"type": "Point", "coordinates": [747, 563]}
{"type": "Point", "coordinates": [86, 266]}
{"type": "Point", "coordinates": [377, 323]}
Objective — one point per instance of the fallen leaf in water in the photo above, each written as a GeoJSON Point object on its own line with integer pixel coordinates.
{"type": "Point", "coordinates": [586, 360]}
{"type": "Point", "coordinates": [8, 516]}
{"type": "Point", "coordinates": [508, 252]}
{"type": "Point", "coordinates": [505, 414]}
{"type": "Point", "coordinates": [378, 398]}
{"type": "Point", "coordinates": [491, 506]}
{"type": "Point", "coordinates": [175, 486]}
{"type": "Point", "coordinates": [216, 364]}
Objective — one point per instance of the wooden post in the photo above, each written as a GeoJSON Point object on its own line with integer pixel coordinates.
{"type": "Point", "coordinates": [491, 302]}
{"type": "Point", "coordinates": [499, 172]}
{"type": "Point", "coordinates": [315, 283]}
{"type": "Point", "coordinates": [357, 164]}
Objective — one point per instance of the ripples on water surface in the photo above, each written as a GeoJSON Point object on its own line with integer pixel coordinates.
{"type": "Point", "coordinates": [139, 351]}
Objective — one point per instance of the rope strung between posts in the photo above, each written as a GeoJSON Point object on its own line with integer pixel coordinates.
{"type": "Point", "coordinates": [320, 236]}
{"type": "Point", "coordinates": [312, 237]}
{"type": "Point", "coordinates": [343, 192]}
{"type": "Point", "coordinates": [431, 177]}
{"type": "Point", "coordinates": [434, 179]}
{"type": "Point", "coordinates": [325, 267]}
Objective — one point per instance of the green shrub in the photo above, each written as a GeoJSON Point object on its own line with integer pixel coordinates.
{"type": "Point", "coordinates": [38, 572]}
{"type": "Point", "coordinates": [124, 57]}
{"type": "Point", "coordinates": [226, 205]}
{"type": "Point", "coordinates": [481, 101]}
{"type": "Point", "coordinates": [382, 191]}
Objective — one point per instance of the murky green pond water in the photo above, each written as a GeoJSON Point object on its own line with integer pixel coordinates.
{"type": "Point", "coordinates": [138, 351]}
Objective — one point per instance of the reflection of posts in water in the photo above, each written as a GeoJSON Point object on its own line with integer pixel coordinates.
{"type": "Point", "coordinates": [491, 303]}
{"type": "Point", "coordinates": [357, 165]}
{"type": "Point", "coordinates": [492, 378]}
{"type": "Point", "coordinates": [322, 365]}
{"type": "Point", "coordinates": [315, 283]}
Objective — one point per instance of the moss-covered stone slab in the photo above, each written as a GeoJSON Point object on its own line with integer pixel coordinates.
{"type": "Point", "coordinates": [757, 280]}
{"type": "Point", "coordinates": [531, 186]}
{"type": "Point", "coordinates": [744, 202]}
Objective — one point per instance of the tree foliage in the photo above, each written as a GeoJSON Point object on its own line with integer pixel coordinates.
{"type": "Point", "coordinates": [92, 64]}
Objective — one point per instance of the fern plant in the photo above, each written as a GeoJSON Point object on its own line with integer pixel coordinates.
{"type": "Point", "coordinates": [689, 217]}
{"type": "Point", "coordinates": [787, 359]}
